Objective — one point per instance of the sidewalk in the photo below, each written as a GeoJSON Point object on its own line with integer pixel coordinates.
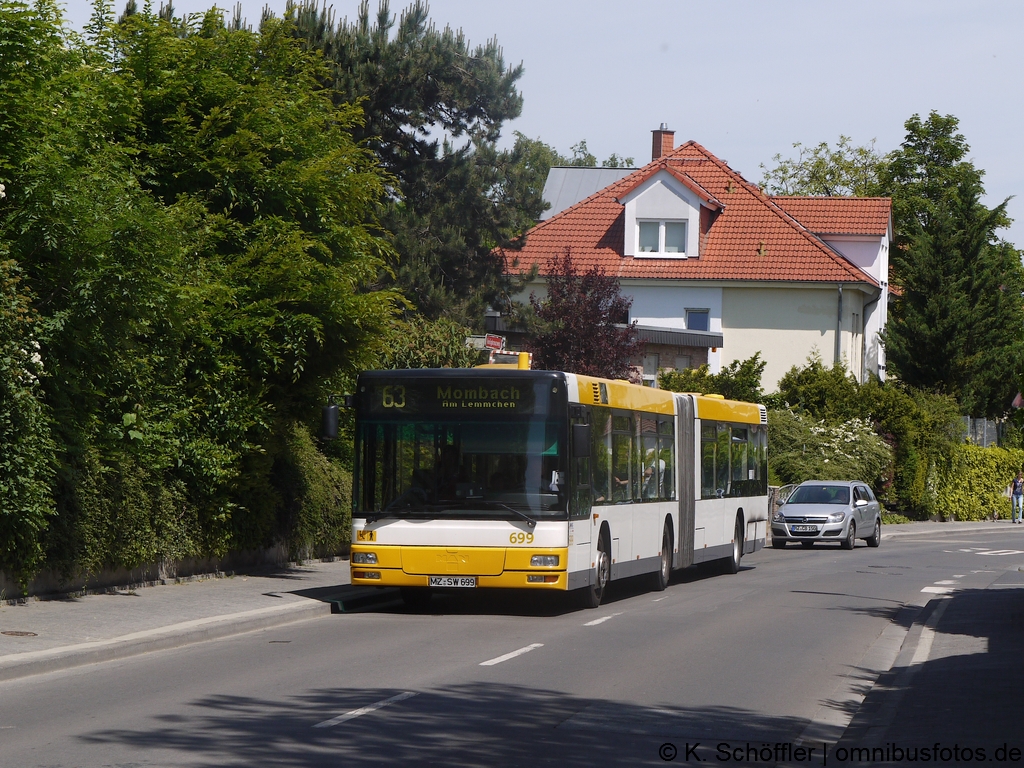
{"type": "Point", "coordinates": [47, 635]}
{"type": "Point", "coordinates": [955, 687]}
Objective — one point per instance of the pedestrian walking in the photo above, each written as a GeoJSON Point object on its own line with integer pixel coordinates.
{"type": "Point", "coordinates": [1017, 497]}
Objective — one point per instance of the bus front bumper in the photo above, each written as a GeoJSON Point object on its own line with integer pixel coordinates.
{"type": "Point", "coordinates": [494, 567]}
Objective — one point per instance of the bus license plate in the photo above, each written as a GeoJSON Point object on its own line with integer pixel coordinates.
{"type": "Point", "coordinates": [453, 581]}
{"type": "Point", "coordinates": [805, 528]}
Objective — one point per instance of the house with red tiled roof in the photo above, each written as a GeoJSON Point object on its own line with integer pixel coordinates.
{"type": "Point", "coordinates": [717, 270]}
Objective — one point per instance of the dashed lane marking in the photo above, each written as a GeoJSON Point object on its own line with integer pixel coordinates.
{"type": "Point", "coordinates": [1001, 552]}
{"type": "Point", "coordinates": [938, 590]}
{"type": "Point", "coordinates": [602, 620]}
{"type": "Point", "coordinates": [365, 710]}
{"type": "Point", "coordinates": [507, 656]}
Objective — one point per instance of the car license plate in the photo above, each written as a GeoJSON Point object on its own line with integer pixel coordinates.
{"type": "Point", "coordinates": [453, 581]}
{"type": "Point", "coordinates": [805, 529]}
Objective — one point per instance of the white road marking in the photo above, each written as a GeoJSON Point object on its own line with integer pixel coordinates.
{"type": "Point", "coordinates": [946, 581]}
{"type": "Point", "coordinates": [365, 710]}
{"type": "Point", "coordinates": [999, 552]}
{"type": "Point", "coordinates": [958, 575]}
{"type": "Point", "coordinates": [602, 620]}
{"type": "Point", "coordinates": [657, 599]}
{"type": "Point", "coordinates": [507, 656]}
{"type": "Point", "coordinates": [938, 590]}
{"type": "Point", "coordinates": [924, 645]}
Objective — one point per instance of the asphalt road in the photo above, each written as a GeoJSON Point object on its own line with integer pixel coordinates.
{"type": "Point", "coordinates": [784, 651]}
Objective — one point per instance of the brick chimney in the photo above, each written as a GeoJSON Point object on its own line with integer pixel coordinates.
{"type": "Point", "coordinates": [663, 141]}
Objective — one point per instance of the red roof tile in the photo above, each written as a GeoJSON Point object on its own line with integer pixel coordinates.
{"type": "Point", "coordinates": [753, 238]}
{"type": "Point", "coordinates": [840, 215]}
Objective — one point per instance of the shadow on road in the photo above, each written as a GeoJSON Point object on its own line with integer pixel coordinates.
{"type": "Point", "coordinates": [475, 724]}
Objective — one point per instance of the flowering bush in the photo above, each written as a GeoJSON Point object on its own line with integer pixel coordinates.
{"type": "Point", "coordinates": [800, 448]}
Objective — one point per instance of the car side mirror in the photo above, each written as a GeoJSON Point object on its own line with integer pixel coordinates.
{"type": "Point", "coordinates": [860, 503]}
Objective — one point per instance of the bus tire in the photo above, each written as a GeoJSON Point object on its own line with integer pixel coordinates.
{"type": "Point", "coordinates": [664, 572]}
{"type": "Point", "coordinates": [594, 594]}
{"type": "Point", "coordinates": [732, 563]}
{"type": "Point", "coordinates": [415, 597]}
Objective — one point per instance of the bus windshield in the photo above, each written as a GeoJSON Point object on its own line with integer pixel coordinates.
{"type": "Point", "coordinates": [474, 469]}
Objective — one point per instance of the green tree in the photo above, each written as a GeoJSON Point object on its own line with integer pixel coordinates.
{"type": "Point", "coordinates": [739, 380]}
{"type": "Point", "coordinates": [434, 108]}
{"type": "Point", "coordinates": [822, 170]}
{"type": "Point", "coordinates": [957, 327]}
{"type": "Point", "coordinates": [196, 227]}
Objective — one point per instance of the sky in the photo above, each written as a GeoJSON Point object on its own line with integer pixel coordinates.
{"type": "Point", "coordinates": [746, 79]}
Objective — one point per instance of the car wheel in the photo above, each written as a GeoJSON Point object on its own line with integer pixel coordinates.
{"type": "Point", "coordinates": [594, 594]}
{"type": "Point", "coordinates": [415, 597]}
{"type": "Point", "coordinates": [732, 564]}
{"type": "Point", "coordinates": [661, 578]}
{"type": "Point", "coordinates": [778, 543]}
{"type": "Point", "coordinates": [876, 538]}
{"type": "Point", "coordinates": [851, 536]}
{"type": "Point", "coordinates": [806, 544]}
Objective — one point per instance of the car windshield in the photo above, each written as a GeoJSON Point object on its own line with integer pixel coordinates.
{"type": "Point", "coordinates": [820, 494]}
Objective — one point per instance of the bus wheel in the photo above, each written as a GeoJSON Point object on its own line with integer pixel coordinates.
{"type": "Point", "coordinates": [594, 594]}
{"type": "Point", "coordinates": [732, 564]}
{"type": "Point", "coordinates": [661, 578]}
{"type": "Point", "coordinates": [415, 597]}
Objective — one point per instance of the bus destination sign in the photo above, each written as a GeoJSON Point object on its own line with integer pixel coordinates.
{"type": "Point", "coordinates": [399, 398]}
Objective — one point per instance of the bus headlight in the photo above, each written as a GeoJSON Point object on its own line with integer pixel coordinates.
{"type": "Point", "coordinates": [544, 561]}
{"type": "Point", "coordinates": [364, 558]}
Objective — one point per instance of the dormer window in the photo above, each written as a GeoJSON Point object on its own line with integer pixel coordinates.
{"type": "Point", "coordinates": [662, 237]}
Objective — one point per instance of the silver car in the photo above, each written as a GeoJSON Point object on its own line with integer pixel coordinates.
{"type": "Point", "coordinates": [828, 510]}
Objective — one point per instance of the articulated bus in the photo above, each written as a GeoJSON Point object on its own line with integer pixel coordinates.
{"type": "Point", "coordinates": [472, 478]}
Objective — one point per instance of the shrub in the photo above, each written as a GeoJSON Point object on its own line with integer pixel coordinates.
{"type": "Point", "coordinates": [800, 449]}
{"type": "Point", "coordinates": [969, 481]}
{"type": "Point", "coordinates": [740, 380]}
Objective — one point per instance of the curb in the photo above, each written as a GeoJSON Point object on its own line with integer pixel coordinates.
{"type": "Point", "coordinates": [378, 596]}
{"type": "Point", "coordinates": [20, 665]}
{"type": "Point", "coordinates": [990, 525]}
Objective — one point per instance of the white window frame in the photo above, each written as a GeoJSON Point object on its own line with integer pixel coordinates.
{"type": "Point", "coordinates": [660, 253]}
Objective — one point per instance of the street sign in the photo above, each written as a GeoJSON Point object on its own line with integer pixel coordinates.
{"type": "Point", "coordinates": [494, 341]}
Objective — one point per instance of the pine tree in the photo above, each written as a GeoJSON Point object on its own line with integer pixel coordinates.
{"type": "Point", "coordinates": [958, 326]}
{"type": "Point", "coordinates": [434, 109]}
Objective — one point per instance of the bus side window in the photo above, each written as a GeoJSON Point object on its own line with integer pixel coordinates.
{"type": "Point", "coordinates": [623, 476]}
{"type": "Point", "coordinates": [600, 454]}
{"type": "Point", "coordinates": [707, 460]}
{"type": "Point", "coordinates": [667, 454]}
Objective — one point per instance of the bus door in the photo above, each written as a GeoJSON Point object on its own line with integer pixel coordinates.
{"type": "Point", "coordinates": [581, 497]}
{"type": "Point", "coordinates": [686, 461]}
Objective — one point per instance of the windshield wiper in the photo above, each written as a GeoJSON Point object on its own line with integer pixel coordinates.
{"type": "Point", "coordinates": [529, 520]}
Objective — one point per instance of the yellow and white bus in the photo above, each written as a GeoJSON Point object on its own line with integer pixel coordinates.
{"type": "Point", "coordinates": [500, 477]}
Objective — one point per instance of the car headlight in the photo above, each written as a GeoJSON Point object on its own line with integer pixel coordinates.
{"type": "Point", "coordinates": [779, 517]}
{"type": "Point", "coordinates": [364, 558]}
{"type": "Point", "coordinates": [837, 517]}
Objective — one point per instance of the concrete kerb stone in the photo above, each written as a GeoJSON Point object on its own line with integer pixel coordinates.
{"type": "Point", "coordinates": [930, 528]}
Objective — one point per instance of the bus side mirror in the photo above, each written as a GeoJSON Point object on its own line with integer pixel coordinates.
{"type": "Point", "coordinates": [329, 422]}
{"type": "Point", "coordinates": [581, 441]}
{"type": "Point", "coordinates": [329, 416]}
